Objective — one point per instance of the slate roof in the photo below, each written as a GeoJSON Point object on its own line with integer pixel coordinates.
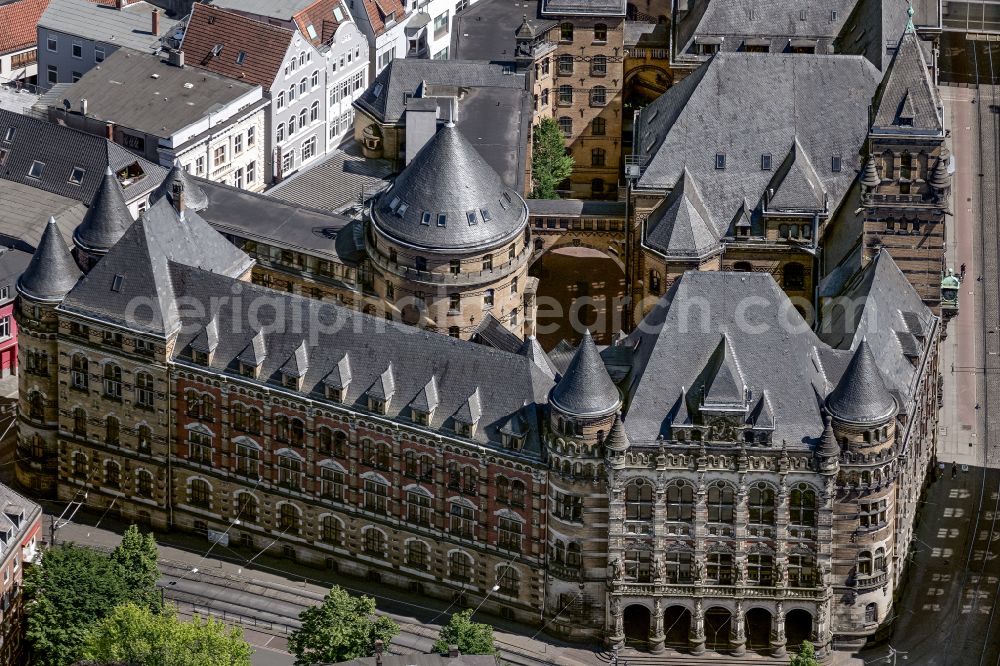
{"type": "Point", "coordinates": [796, 185]}
{"type": "Point", "coordinates": [141, 259]}
{"type": "Point", "coordinates": [449, 177]}
{"type": "Point", "coordinates": [680, 225]}
{"type": "Point", "coordinates": [746, 105]}
{"type": "Point", "coordinates": [18, 516]}
{"type": "Point", "coordinates": [25, 210]}
{"type": "Point", "coordinates": [336, 182]}
{"type": "Point", "coordinates": [873, 29]}
{"type": "Point", "coordinates": [486, 30]}
{"type": "Point", "coordinates": [52, 271]}
{"type": "Point", "coordinates": [62, 149]}
{"type": "Point", "coordinates": [493, 333]}
{"type": "Point", "coordinates": [908, 101]}
{"type": "Point", "coordinates": [107, 219]}
{"type": "Point", "coordinates": [583, 7]}
{"type": "Point", "coordinates": [18, 24]}
{"type": "Point", "coordinates": [504, 381]}
{"type": "Point", "coordinates": [861, 395]}
{"type": "Point", "coordinates": [586, 389]}
{"type": "Point", "coordinates": [130, 27]}
{"type": "Point", "coordinates": [194, 197]}
{"type": "Point", "coordinates": [264, 46]}
{"type": "Point", "coordinates": [531, 349]}
{"type": "Point", "coordinates": [143, 92]}
{"type": "Point", "coordinates": [576, 208]}
{"type": "Point", "coordinates": [13, 262]}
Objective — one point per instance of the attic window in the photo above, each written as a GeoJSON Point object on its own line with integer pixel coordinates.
{"type": "Point", "coordinates": [312, 31]}
{"type": "Point", "coordinates": [836, 164]}
{"type": "Point", "coordinates": [833, 15]}
{"type": "Point", "coordinates": [9, 134]}
{"type": "Point", "coordinates": [338, 14]}
{"type": "Point", "coordinates": [3, 156]}
{"type": "Point", "coordinates": [394, 204]}
{"type": "Point", "coordinates": [240, 57]}
{"type": "Point", "coordinates": [36, 169]}
{"type": "Point", "coordinates": [765, 162]}
{"type": "Point", "coordinates": [217, 50]}
{"type": "Point", "coordinates": [442, 219]}
{"type": "Point", "coordinates": [506, 197]}
{"type": "Point", "coordinates": [76, 176]}
{"type": "Point", "coordinates": [401, 211]}
{"type": "Point", "coordinates": [802, 14]}
{"type": "Point", "coordinates": [425, 219]}
{"type": "Point", "coordinates": [720, 161]}
{"type": "Point", "coordinates": [116, 284]}
{"type": "Point", "coordinates": [485, 212]}
{"type": "Point", "coordinates": [471, 215]}
{"type": "Point", "coordinates": [377, 90]}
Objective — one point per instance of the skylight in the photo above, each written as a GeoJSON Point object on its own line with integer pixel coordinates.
{"type": "Point", "coordinates": [76, 177]}
{"type": "Point", "coordinates": [241, 56]}
{"type": "Point", "coordinates": [116, 284]}
{"type": "Point", "coordinates": [425, 218]}
{"type": "Point", "coordinates": [442, 219]}
{"type": "Point", "coordinates": [471, 215]}
{"type": "Point", "coordinates": [312, 31]}
{"type": "Point", "coordinates": [485, 212]}
{"type": "Point", "coordinates": [9, 134]}
{"type": "Point", "coordinates": [338, 14]}
{"type": "Point", "coordinates": [36, 169]}
{"type": "Point", "coordinates": [377, 91]}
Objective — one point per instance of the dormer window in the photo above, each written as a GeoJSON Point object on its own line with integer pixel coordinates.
{"type": "Point", "coordinates": [199, 357]}
{"type": "Point", "coordinates": [463, 429]}
{"type": "Point", "coordinates": [377, 405]}
{"type": "Point", "coordinates": [420, 417]}
{"type": "Point", "coordinates": [334, 394]}
{"type": "Point", "coordinates": [290, 381]}
{"type": "Point", "coordinates": [442, 219]}
{"type": "Point", "coordinates": [425, 218]}
{"type": "Point", "coordinates": [248, 370]}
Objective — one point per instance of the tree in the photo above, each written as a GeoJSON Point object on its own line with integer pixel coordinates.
{"type": "Point", "coordinates": [71, 588]}
{"type": "Point", "coordinates": [550, 165]}
{"type": "Point", "coordinates": [470, 637]}
{"type": "Point", "coordinates": [138, 634]}
{"type": "Point", "coordinates": [806, 656]}
{"type": "Point", "coordinates": [137, 556]}
{"type": "Point", "coordinates": [341, 628]}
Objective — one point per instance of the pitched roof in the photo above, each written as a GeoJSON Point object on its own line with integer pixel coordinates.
{"type": "Point", "coordinates": [26, 210]}
{"type": "Point", "coordinates": [789, 97]}
{"type": "Point", "coordinates": [617, 439]}
{"type": "Point", "coordinates": [107, 219]}
{"type": "Point", "coordinates": [584, 7]}
{"type": "Point", "coordinates": [141, 260]}
{"type": "Point", "coordinates": [263, 46]}
{"type": "Point", "coordinates": [491, 331]}
{"type": "Point", "coordinates": [449, 178]}
{"type": "Point", "coordinates": [908, 101]}
{"type": "Point", "coordinates": [586, 389]}
{"type": "Point", "coordinates": [52, 271]}
{"type": "Point", "coordinates": [380, 11]}
{"type": "Point", "coordinates": [18, 24]}
{"type": "Point", "coordinates": [861, 395]}
{"type": "Point", "coordinates": [321, 16]}
{"type": "Point", "coordinates": [194, 197]}
{"type": "Point", "coordinates": [130, 26]}
{"type": "Point", "coordinates": [680, 225]}
{"type": "Point", "coordinates": [796, 185]}
{"type": "Point", "coordinates": [531, 349]}
{"type": "Point", "coordinates": [61, 150]}
{"type": "Point", "coordinates": [724, 387]}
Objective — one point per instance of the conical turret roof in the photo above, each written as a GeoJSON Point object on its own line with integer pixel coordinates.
{"type": "Point", "coordinates": [861, 395]}
{"type": "Point", "coordinates": [450, 198]}
{"type": "Point", "coordinates": [586, 388]}
{"type": "Point", "coordinates": [828, 447]}
{"type": "Point", "coordinates": [194, 197]}
{"type": "Point", "coordinates": [870, 177]}
{"type": "Point", "coordinates": [106, 220]}
{"type": "Point", "coordinates": [617, 439]}
{"type": "Point", "coordinates": [52, 272]}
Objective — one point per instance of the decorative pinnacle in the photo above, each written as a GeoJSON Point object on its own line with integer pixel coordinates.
{"type": "Point", "coordinates": [909, 14]}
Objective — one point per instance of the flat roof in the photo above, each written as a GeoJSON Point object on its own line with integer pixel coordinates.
{"type": "Point", "coordinates": [485, 30]}
{"type": "Point", "coordinates": [25, 210]}
{"type": "Point", "coordinates": [277, 9]}
{"type": "Point", "coordinates": [142, 92]}
{"type": "Point", "coordinates": [130, 26]}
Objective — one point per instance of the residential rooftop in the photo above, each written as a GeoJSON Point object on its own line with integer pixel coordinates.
{"type": "Point", "coordinates": [18, 24]}
{"type": "Point", "coordinates": [130, 26]}
{"type": "Point", "coordinates": [337, 182]}
{"type": "Point", "coordinates": [25, 209]}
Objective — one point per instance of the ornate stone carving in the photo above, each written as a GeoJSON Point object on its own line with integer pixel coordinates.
{"type": "Point", "coordinates": [659, 570]}
{"type": "Point", "coordinates": [699, 570]}
{"type": "Point", "coordinates": [739, 625]}
{"type": "Point", "coordinates": [617, 569]}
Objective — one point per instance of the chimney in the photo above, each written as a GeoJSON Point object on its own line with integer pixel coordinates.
{"type": "Point", "coordinates": [420, 120]}
{"type": "Point", "coordinates": [378, 652]}
{"type": "Point", "coordinates": [109, 132]}
{"type": "Point", "coordinates": [177, 194]}
{"type": "Point", "coordinates": [175, 57]}
{"type": "Point", "coordinates": [453, 652]}
{"type": "Point", "coordinates": [83, 106]}
{"type": "Point", "coordinates": [119, 4]}
{"type": "Point", "coordinates": [156, 22]}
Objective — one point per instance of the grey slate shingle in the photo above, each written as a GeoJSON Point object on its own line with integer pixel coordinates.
{"type": "Point", "coordinates": [909, 100]}
{"type": "Point", "coordinates": [52, 272]}
{"type": "Point", "coordinates": [586, 388]}
{"type": "Point", "coordinates": [107, 218]}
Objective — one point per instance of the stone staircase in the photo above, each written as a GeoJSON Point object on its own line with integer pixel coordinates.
{"type": "Point", "coordinates": [632, 657]}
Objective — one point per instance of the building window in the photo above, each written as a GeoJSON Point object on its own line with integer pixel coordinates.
{"type": "Point", "coordinates": [80, 422]}
{"type": "Point", "coordinates": [201, 493]}
{"type": "Point", "coordinates": [566, 125]}
{"type": "Point", "coordinates": [598, 96]}
{"type": "Point", "coordinates": [836, 164]}
{"type": "Point", "coordinates": [802, 506]}
{"type": "Point", "coordinates": [248, 460]}
{"type": "Point", "coordinates": [565, 95]}
{"type": "Point", "coordinates": [246, 507]}
{"type": "Point", "coordinates": [289, 519]}
{"type": "Point", "coordinates": [314, 81]}
{"type": "Point", "coordinates": [760, 568]}
{"type": "Point", "coordinates": [80, 375]}
{"type": "Point", "coordinates": [565, 65]}
{"type": "Point", "coordinates": [721, 504]}
{"type": "Point", "coordinates": [801, 570]}
{"type": "Point", "coordinates": [680, 503]}
{"type": "Point", "coordinates": [289, 471]}
{"type": "Point", "coordinates": [98, 54]}
{"type": "Point", "coordinates": [871, 613]}
{"type": "Point", "coordinates": [566, 32]}
{"type": "Point", "coordinates": [144, 438]}
{"type": "Point", "coordinates": [418, 554]}
{"type": "Point", "coordinates": [144, 394]}
{"type": "Point", "coordinates": [80, 467]}
{"type": "Point", "coordinates": [567, 507]}
{"type": "Point", "coordinates": [376, 496]}
{"type": "Point", "coordinates": [288, 161]}
{"type": "Point", "coordinates": [113, 475]}
{"type": "Point", "coordinates": [460, 566]}
{"type": "Point", "coordinates": [462, 520]}
{"type": "Point", "coordinates": [761, 505]}
{"type": "Point", "coordinates": [638, 565]}
{"type": "Point", "coordinates": [36, 406]}
{"type": "Point", "coordinates": [719, 568]}
{"type": "Point", "coordinates": [765, 162]}
{"type": "Point", "coordinates": [219, 156]}
{"type": "Point", "coordinates": [52, 44]}
{"type": "Point", "coordinates": [332, 530]}
{"type": "Point", "coordinates": [509, 581]}
{"type": "Point", "coordinates": [78, 51]}
{"type": "Point", "coordinates": [488, 298]}
{"type": "Point", "coordinates": [112, 431]}
{"type": "Point", "coordinates": [279, 101]}
{"type": "Point", "coordinates": [332, 484]}
{"type": "Point", "coordinates": [720, 161]}
{"type": "Point", "coordinates": [374, 542]}
{"type": "Point", "coordinates": [308, 148]}
{"type": "Point", "coordinates": [36, 169]}
{"type": "Point", "coordinates": [314, 112]}
{"type": "Point", "coordinates": [441, 25]}
{"type": "Point", "coordinates": [52, 74]}
{"type": "Point", "coordinates": [237, 144]}
{"type": "Point", "coordinates": [199, 166]}
{"type": "Point", "coordinates": [144, 483]}
{"type": "Point", "coordinates": [418, 508]}
{"type": "Point", "coordinates": [545, 97]}
{"type": "Point", "coordinates": [199, 448]}
{"type": "Point", "coordinates": [873, 514]}
{"type": "Point", "coordinates": [597, 156]}
{"type": "Point", "coordinates": [200, 406]}
{"type": "Point", "coordinates": [794, 276]}
{"type": "Point", "coordinates": [251, 136]}
{"type": "Point", "coordinates": [251, 173]}
{"type": "Point", "coordinates": [639, 501]}
{"type": "Point", "coordinates": [238, 179]}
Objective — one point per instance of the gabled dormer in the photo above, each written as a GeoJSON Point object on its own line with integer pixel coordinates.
{"type": "Point", "coordinates": [295, 368]}
{"type": "Point", "coordinates": [423, 405]}
{"type": "Point", "coordinates": [336, 383]}
{"type": "Point", "coordinates": [380, 394]}
{"type": "Point", "coordinates": [514, 430]}
{"type": "Point", "coordinates": [251, 359]}
{"type": "Point", "coordinates": [205, 343]}
{"type": "Point", "coordinates": [468, 415]}
{"type": "Point", "coordinates": [725, 390]}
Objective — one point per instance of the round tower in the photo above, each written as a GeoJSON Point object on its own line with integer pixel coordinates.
{"type": "Point", "coordinates": [105, 223]}
{"type": "Point", "coordinates": [862, 424]}
{"type": "Point", "coordinates": [48, 278]}
{"type": "Point", "coordinates": [449, 241]}
{"type": "Point", "coordinates": [179, 183]}
{"type": "Point", "coordinates": [583, 408]}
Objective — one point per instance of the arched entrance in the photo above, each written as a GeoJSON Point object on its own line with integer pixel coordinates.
{"type": "Point", "coordinates": [758, 629]}
{"type": "Point", "coordinates": [677, 626]}
{"type": "Point", "coordinates": [578, 287]}
{"type": "Point", "coordinates": [636, 621]}
{"type": "Point", "coordinates": [717, 621]}
{"type": "Point", "coordinates": [798, 627]}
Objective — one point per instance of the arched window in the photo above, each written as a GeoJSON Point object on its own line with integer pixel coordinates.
{"type": "Point", "coordinates": [296, 432]}
{"type": "Point", "coordinates": [638, 501]}
{"type": "Point", "coordinates": [599, 65]}
{"type": "Point", "coordinates": [288, 520]}
{"type": "Point", "coordinates": [145, 395]}
{"type": "Point", "coordinates": [566, 125]}
{"type": "Point", "coordinates": [280, 100]}
{"type": "Point", "coordinates": [144, 483]}
{"type": "Point", "coordinates": [112, 381]}
{"type": "Point", "coordinates": [509, 581]}
{"type": "Point", "coordinates": [460, 566]}
{"type": "Point", "coordinates": [600, 32]}
{"type": "Point", "coordinates": [794, 275]}
{"type": "Point", "coordinates": [880, 559]}
{"type": "Point", "coordinates": [905, 166]}
{"type": "Point", "coordinates": [303, 118]}
{"type": "Point", "coordinates": [743, 267]}
{"type": "Point", "coordinates": [418, 554]}
{"type": "Point", "coordinates": [680, 502]}
{"type": "Point", "coordinates": [144, 437]}
{"type": "Point", "coordinates": [566, 32]}
{"type": "Point", "coordinates": [574, 558]}
{"type": "Point", "coordinates": [374, 542]}
{"type": "Point", "coordinates": [80, 422]}
{"type": "Point", "coordinates": [112, 474]}
{"type": "Point", "coordinates": [36, 406]}
{"type": "Point", "coordinates": [654, 282]}
{"type": "Point", "coordinates": [254, 418]}
{"type": "Point", "coordinates": [314, 112]}
{"type": "Point", "coordinates": [291, 125]}
{"type": "Point", "coordinates": [246, 508]}
{"type": "Point", "coordinates": [281, 428]}
{"type": "Point", "coordinates": [598, 96]}
{"type": "Point", "coordinates": [80, 375]}
{"type": "Point", "coordinates": [721, 503]}
{"type": "Point", "coordinates": [289, 470]}
{"type": "Point", "coordinates": [340, 444]}
{"type": "Point", "coordinates": [37, 446]}
{"type": "Point", "coordinates": [324, 439]}
{"type": "Point", "coordinates": [503, 489]}
{"type": "Point", "coordinates": [333, 530]}
{"type": "Point", "coordinates": [565, 64]}
{"type": "Point", "coordinates": [80, 466]}
{"type": "Point", "coordinates": [565, 94]}
{"type": "Point", "coordinates": [201, 493]}
{"type": "Point", "coordinates": [238, 416]}
{"type": "Point", "coordinates": [761, 505]}
{"type": "Point", "coordinates": [470, 481]}
{"type": "Point", "coordinates": [376, 495]}
{"type": "Point", "coordinates": [802, 506]}
{"type": "Point", "coordinates": [517, 492]}
{"type": "Point", "coordinates": [112, 431]}
{"type": "Point", "coordinates": [559, 552]}
{"type": "Point", "coordinates": [597, 156]}
{"type": "Point", "coordinates": [545, 97]}
{"type": "Point", "coordinates": [279, 133]}
{"type": "Point", "coordinates": [871, 613]}
{"type": "Point", "coordinates": [864, 563]}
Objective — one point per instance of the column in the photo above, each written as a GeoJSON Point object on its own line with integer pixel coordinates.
{"type": "Point", "coordinates": [822, 632]}
{"type": "Point", "coordinates": [617, 633]}
{"type": "Point", "coordinates": [737, 631]}
{"type": "Point", "coordinates": [697, 635]}
{"type": "Point", "coordinates": [656, 636]}
{"type": "Point", "coordinates": [778, 632]}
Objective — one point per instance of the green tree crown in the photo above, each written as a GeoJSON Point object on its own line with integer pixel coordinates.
{"type": "Point", "coordinates": [341, 628]}
{"type": "Point", "coordinates": [470, 637]}
{"type": "Point", "coordinates": [550, 165]}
